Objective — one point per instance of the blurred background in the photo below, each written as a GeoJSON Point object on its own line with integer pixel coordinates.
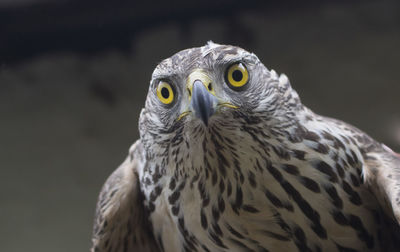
{"type": "Point", "coordinates": [74, 75]}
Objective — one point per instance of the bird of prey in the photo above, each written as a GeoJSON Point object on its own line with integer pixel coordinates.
{"type": "Point", "coordinates": [229, 159]}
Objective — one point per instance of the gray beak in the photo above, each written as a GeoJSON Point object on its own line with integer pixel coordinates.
{"type": "Point", "coordinates": [203, 102]}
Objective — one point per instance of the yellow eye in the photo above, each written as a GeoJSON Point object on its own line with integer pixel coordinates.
{"type": "Point", "coordinates": [237, 75]}
{"type": "Point", "coordinates": [165, 93]}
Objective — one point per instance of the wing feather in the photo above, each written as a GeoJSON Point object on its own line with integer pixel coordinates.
{"type": "Point", "coordinates": [121, 222]}
{"type": "Point", "coordinates": [382, 174]}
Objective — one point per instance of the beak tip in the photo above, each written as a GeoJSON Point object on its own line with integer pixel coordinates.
{"type": "Point", "coordinates": [205, 120]}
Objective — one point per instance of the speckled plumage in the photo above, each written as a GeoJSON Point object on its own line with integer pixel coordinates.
{"type": "Point", "coordinates": [266, 174]}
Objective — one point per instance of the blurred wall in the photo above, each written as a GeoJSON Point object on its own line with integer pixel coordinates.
{"type": "Point", "coordinates": [69, 114]}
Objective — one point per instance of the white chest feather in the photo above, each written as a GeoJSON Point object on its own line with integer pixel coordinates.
{"type": "Point", "coordinates": [258, 196]}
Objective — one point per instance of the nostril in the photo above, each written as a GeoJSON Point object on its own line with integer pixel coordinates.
{"type": "Point", "coordinates": [209, 86]}
{"type": "Point", "coordinates": [190, 93]}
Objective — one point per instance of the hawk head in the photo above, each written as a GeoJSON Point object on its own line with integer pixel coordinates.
{"type": "Point", "coordinates": [214, 88]}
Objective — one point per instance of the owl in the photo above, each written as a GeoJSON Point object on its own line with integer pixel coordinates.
{"type": "Point", "coordinates": [229, 159]}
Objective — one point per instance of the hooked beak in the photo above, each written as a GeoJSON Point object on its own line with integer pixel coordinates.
{"type": "Point", "coordinates": [203, 102]}
{"type": "Point", "coordinates": [202, 97]}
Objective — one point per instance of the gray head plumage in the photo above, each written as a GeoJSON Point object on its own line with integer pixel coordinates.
{"type": "Point", "coordinates": [266, 94]}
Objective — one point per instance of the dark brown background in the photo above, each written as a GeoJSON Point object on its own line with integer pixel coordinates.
{"type": "Point", "coordinates": [74, 74]}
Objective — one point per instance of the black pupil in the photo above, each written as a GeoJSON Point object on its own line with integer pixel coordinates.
{"type": "Point", "coordinates": [237, 75]}
{"type": "Point", "coordinates": [165, 92]}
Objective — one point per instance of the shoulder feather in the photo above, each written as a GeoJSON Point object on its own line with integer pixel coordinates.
{"type": "Point", "coordinates": [121, 222]}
